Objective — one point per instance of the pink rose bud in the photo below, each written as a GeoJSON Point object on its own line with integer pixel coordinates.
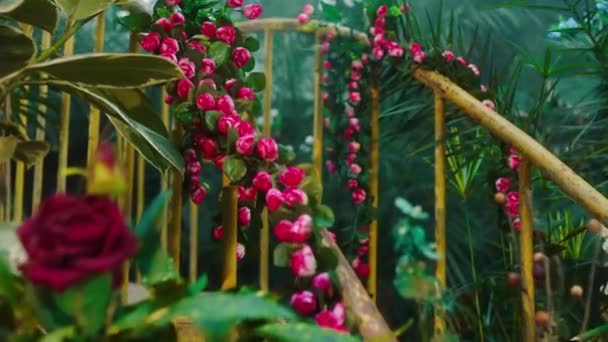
{"type": "Point", "coordinates": [208, 66]}
{"type": "Point", "coordinates": [379, 40]}
{"type": "Point", "coordinates": [483, 88]}
{"type": "Point", "coordinates": [354, 97]}
{"type": "Point", "coordinates": [380, 22]}
{"type": "Point", "coordinates": [354, 124]}
{"type": "Point", "coordinates": [355, 169]}
{"type": "Point", "coordinates": [350, 112]}
{"type": "Point", "coordinates": [188, 68]}
{"type": "Point", "coordinates": [234, 3]}
{"type": "Point", "coordinates": [503, 184]}
{"type": "Point", "coordinates": [226, 122]}
{"type": "Point", "coordinates": [352, 184]}
{"type": "Point", "coordinates": [240, 57]}
{"type": "Point", "coordinates": [195, 183]}
{"type": "Point", "coordinates": [274, 199]}
{"type": "Point", "coordinates": [353, 85]}
{"type": "Point", "coordinates": [268, 149]}
{"type": "Point", "coordinates": [246, 94]}
{"type": "Point", "coordinates": [324, 49]}
{"type": "Point", "coordinates": [301, 229]}
{"type": "Point", "coordinates": [513, 197]}
{"type": "Point", "coordinates": [489, 104]}
{"type": "Point", "coordinates": [169, 57]}
{"type": "Point", "coordinates": [517, 224]}
{"type": "Point", "coordinates": [219, 161]}
{"type": "Point", "coordinates": [394, 49]}
{"type": "Point", "coordinates": [197, 46]}
{"type": "Point", "coordinates": [250, 194]}
{"type": "Point", "coordinates": [461, 61]}
{"type": "Point", "coordinates": [244, 216]}
{"type": "Point", "coordinates": [252, 11]}
{"type": "Point", "coordinates": [326, 319]}
{"type": "Point", "coordinates": [348, 133]}
{"type": "Point", "coordinates": [194, 168]}
{"type": "Point", "coordinates": [229, 83]}
{"type": "Point", "coordinates": [330, 33]}
{"type": "Point", "coordinates": [364, 59]}
{"type": "Point", "coordinates": [150, 42]}
{"type": "Point", "coordinates": [378, 53]}
{"type": "Point", "coordinates": [448, 55]}
{"type": "Point", "coordinates": [326, 122]}
{"type": "Point", "coordinates": [419, 57]}
{"type": "Point", "coordinates": [183, 88]}
{"type": "Point", "coordinates": [303, 18]}
{"type": "Point", "coordinates": [324, 96]}
{"type": "Point", "coordinates": [240, 252]}
{"type": "Point", "coordinates": [331, 167]}
{"type": "Point", "coordinates": [208, 148]}
{"type": "Point", "coordinates": [350, 159]}
{"type": "Point", "coordinates": [295, 196]}
{"type": "Point", "coordinates": [165, 24]}
{"type": "Point", "coordinates": [304, 303]}
{"type": "Point", "coordinates": [169, 99]}
{"type": "Point", "coordinates": [327, 65]}
{"type": "Point", "coordinates": [208, 29]}
{"type": "Point", "coordinates": [177, 18]}
{"type": "Point", "coordinates": [171, 3]}
{"type": "Point", "coordinates": [244, 128]}
{"type": "Point", "coordinates": [244, 145]}
{"type": "Point", "coordinates": [354, 147]}
{"type": "Point", "coordinates": [363, 250]}
{"type": "Point", "coordinates": [198, 195]}
{"type": "Point", "coordinates": [190, 155]}
{"type": "Point", "coordinates": [284, 231]}
{"type": "Point", "coordinates": [474, 69]}
{"type": "Point", "coordinates": [359, 196]}
{"type": "Point", "coordinates": [322, 282]}
{"type": "Point", "coordinates": [362, 269]}
{"type": "Point", "coordinates": [382, 11]}
{"type": "Point", "coordinates": [512, 209]}
{"type": "Point", "coordinates": [169, 46]}
{"type": "Point", "coordinates": [226, 34]}
{"type": "Point", "coordinates": [225, 105]}
{"type": "Point", "coordinates": [355, 76]}
{"type": "Point", "coordinates": [218, 232]}
{"type": "Point", "coordinates": [514, 161]}
{"type": "Point", "coordinates": [208, 83]}
{"type": "Point", "coordinates": [262, 181]}
{"type": "Point", "coordinates": [308, 9]}
{"type": "Point", "coordinates": [292, 177]}
{"type": "Point", "coordinates": [205, 101]}
{"type": "Point", "coordinates": [303, 262]}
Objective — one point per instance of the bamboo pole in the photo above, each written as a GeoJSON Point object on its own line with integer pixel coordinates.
{"type": "Point", "coordinates": [40, 135]}
{"type": "Point", "coordinates": [230, 207]}
{"type": "Point", "coordinates": [440, 204]}
{"type": "Point", "coordinates": [64, 127]}
{"type": "Point", "coordinates": [164, 183]}
{"type": "Point", "coordinates": [374, 171]}
{"type": "Point", "coordinates": [526, 250]}
{"type": "Point", "coordinates": [193, 241]}
{"type": "Point", "coordinates": [265, 232]}
{"type": "Point", "coordinates": [6, 170]}
{"type": "Point", "coordinates": [174, 234]}
{"type": "Point", "coordinates": [289, 24]}
{"type": "Point", "coordinates": [317, 148]}
{"type": "Point", "coordinates": [554, 169]}
{"type": "Point", "coordinates": [94, 115]}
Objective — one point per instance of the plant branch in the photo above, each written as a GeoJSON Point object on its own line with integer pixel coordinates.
{"type": "Point", "coordinates": [70, 29]}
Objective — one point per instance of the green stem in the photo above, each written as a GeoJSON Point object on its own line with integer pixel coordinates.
{"type": "Point", "coordinates": [70, 30]}
{"type": "Point", "coordinates": [473, 270]}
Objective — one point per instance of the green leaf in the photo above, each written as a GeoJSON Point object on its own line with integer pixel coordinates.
{"type": "Point", "coordinates": [313, 188]}
{"type": "Point", "coordinates": [39, 13]}
{"type": "Point", "coordinates": [136, 21]}
{"type": "Point", "coordinates": [235, 168]}
{"type": "Point", "coordinates": [219, 52]}
{"type": "Point", "coordinates": [251, 44]}
{"type": "Point", "coordinates": [9, 290]}
{"type": "Point", "coordinates": [161, 270]}
{"type": "Point", "coordinates": [109, 70]}
{"type": "Point", "coordinates": [31, 152]}
{"type": "Point", "coordinates": [330, 12]}
{"type": "Point", "coordinates": [147, 231]}
{"type": "Point", "coordinates": [257, 81]}
{"type": "Point", "coordinates": [282, 253]}
{"type": "Point", "coordinates": [9, 5]}
{"type": "Point", "coordinates": [394, 11]}
{"type": "Point", "coordinates": [87, 303]}
{"type": "Point", "coordinates": [17, 50]}
{"type": "Point", "coordinates": [199, 285]}
{"type": "Point", "coordinates": [281, 332]}
{"type": "Point", "coordinates": [327, 258]}
{"type": "Point", "coordinates": [323, 217]}
{"type": "Point", "coordinates": [60, 335]}
{"type": "Point", "coordinates": [211, 118]}
{"type": "Point", "coordinates": [81, 9]}
{"type": "Point", "coordinates": [137, 106]}
{"type": "Point", "coordinates": [250, 65]}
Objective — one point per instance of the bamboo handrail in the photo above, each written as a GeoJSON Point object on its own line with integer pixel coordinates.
{"type": "Point", "coordinates": [440, 205]}
{"type": "Point", "coordinates": [554, 169]}
{"type": "Point", "coordinates": [526, 239]}
{"type": "Point", "coordinates": [289, 24]}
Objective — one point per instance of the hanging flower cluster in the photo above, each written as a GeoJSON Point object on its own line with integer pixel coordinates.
{"type": "Point", "coordinates": [215, 103]}
{"type": "Point", "coordinates": [507, 194]}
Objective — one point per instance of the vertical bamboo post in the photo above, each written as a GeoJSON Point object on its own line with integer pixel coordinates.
{"type": "Point", "coordinates": [64, 126]}
{"type": "Point", "coordinates": [440, 203]}
{"type": "Point", "coordinates": [6, 170]}
{"type": "Point", "coordinates": [164, 185]}
{"type": "Point", "coordinates": [229, 215]}
{"type": "Point", "coordinates": [265, 233]}
{"type": "Point", "coordinates": [141, 193]}
{"type": "Point", "coordinates": [526, 250]}
{"type": "Point", "coordinates": [174, 234]}
{"type": "Point", "coordinates": [317, 149]}
{"type": "Point", "coordinates": [94, 115]}
{"type": "Point", "coordinates": [40, 134]}
{"type": "Point", "coordinates": [193, 241]}
{"type": "Point", "coordinates": [373, 183]}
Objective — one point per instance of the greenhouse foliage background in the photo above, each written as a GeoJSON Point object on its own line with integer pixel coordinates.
{"type": "Point", "coordinates": [558, 93]}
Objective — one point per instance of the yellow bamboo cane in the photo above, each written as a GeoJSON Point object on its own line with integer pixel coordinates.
{"type": "Point", "coordinates": [526, 250]}
{"type": "Point", "coordinates": [317, 149]}
{"type": "Point", "coordinates": [440, 203]}
{"type": "Point", "coordinates": [174, 235]}
{"type": "Point", "coordinates": [193, 241]}
{"type": "Point", "coordinates": [40, 134]}
{"type": "Point", "coordinates": [265, 233]}
{"type": "Point", "coordinates": [94, 115]}
{"type": "Point", "coordinates": [164, 183]}
{"type": "Point", "coordinates": [230, 207]}
{"type": "Point", "coordinates": [64, 127]}
{"type": "Point", "coordinates": [6, 170]}
{"type": "Point", "coordinates": [373, 183]}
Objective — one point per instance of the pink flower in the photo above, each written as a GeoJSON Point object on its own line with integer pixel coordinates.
{"type": "Point", "coordinates": [382, 11]}
{"type": "Point", "coordinates": [252, 11]}
{"type": "Point", "coordinates": [359, 196]}
{"type": "Point", "coordinates": [348, 133]}
{"type": "Point", "coordinates": [489, 104]}
{"type": "Point", "coordinates": [165, 24]}
{"type": "Point", "coordinates": [350, 159]}
{"type": "Point", "coordinates": [169, 99]}
{"type": "Point", "coordinates": [225, 105]}
{"type": "Point", "coordinates": [517, 224]}
{"type": "Point", "coordinates": [512, 208]}
{"type": "Point", "coordinates": [246, 94]}
{"type": "Point", "coordinates": [295, 196]}
{"type": "Point", "coordinates": [195, 182]}
{"type": "Point", "coordinates": [208, 29]}
{"type": "Point", "coordinates": [177, 18]}
{"type": "Point", "coordinates": [354, 147]}
{"type": "Point", "coordinates": [352, 184]}
{"type": "Point", "coordinates": [274, 199]}
{"type": "Point", "coordinates": [169, 57]}
{"type": "Point", "coordinates": [205, 101]}
{"type": "Point", "coordinates": [326, 122]}
{"type": "Point", "coordinates": [169, 46]}
{"type": "Point", "coordinates": [514, 161]}
{"type": "Point", "coordinates": [208, 148]}
{"type": "Point", "coordinates": [193, 44]}
{"type": "Point", "coordinates": [218, 232]}
{"type": "Point", "coordinates": [513, 197]}
{"type": "Point", "coordinates": [184, 86]}
{"type": "Point", "coordinates": [284, 231]}
{"type": "Point", "coordinates": [303, 18]}
{"type": "Point", "coordinates": [363, 250]}
{"type": "Point", "coordinates": [268, 149]}
{"type": "Point", "coordinates": [331, 167]}
{"type": "Point", "coordinates": [150, 42]}
{"type": "Point", "coordinates": [234, 3]}
{"type": "Point", "coordinates": [229, 83]}
{"type": "Point", "coordinates": [208, 66]}
{"type": "Point", "coordinates": [483, 88]}
{"type": "Point", "coordinates": [171, 3]}
{"type": "Point", "coordinates": [226, 34]}
{"type": "Point", "coordinates": [303, 262]}
{"type": "Point", "coordinates": [226, 122]}
{"type": "Point", "coordinates": [244, 216]}
{"type": "Point", "coordinates": [378, 53]}
{"type": "Point", "coordinates": [308, 9]}
{"type": "Point", "coordinates": [355, 169]}
{"type": "Point", "coordinates": [462, 61]}
{"type": "Point", "coordinates": [244, 145]}
{"type": "Point", "coordinates": [304, 302]}
{"type": "Point", "coordinates": [380, 22]}
{"type": "Point", "coordinates": [187, 67]}
{"type": "Point", "coordinates": [208, 83]}
{"type": "Point", "coordinates": [324, 49]}
{"type": "Point", "coordinates": [330, 33]}
{"type": "Point", "coordinates": [356, 65]}
{"type": "Point", "coordinates": [353, 85]}
{"type": "Point", "coordinates": [474, 69]}
{"type": "Point", "coordinates": [394, 49]}
{"type": "Point", "coordinates": [219, 161]}
{"type": "Point", "coordinates": [194, 168]}
{"type": "Point", "coordinates": [198, 195]}
{"type": "Point", "coordinates": [354, 97]}
{"type": "Point", "coordinates": [240, 57]}
{"type": "Point", "coordinates": [292, 177]}
{"type": "Point", "coordinates": [246, 195]}
{"type": "Point", "coordinates": [448, 55]}
{"type": "Point", "coordinates": [419, 57]}
{"type": "Point", "coordinates": [326, 65]}
{"type": "Point", "coordinates": [379, 40]}
{"type": "Point", "coordinates": [190, 155]}
{"type": "Point", "coordinates": [262, 181]}
{"type": "Point", "coordinates": [365, 59]}
{"type": "Point", "coordinates": [244, 128]}
{"type": "Point", "coordinates": [322, 281]}
{"type": "Point", "coordinates": [355, 76]}
{"type": "Point", "coordinates": [296, 232]}
{"type": "Point", "coordinates": [333, 319]}
{"type": "Point", "coordinates": [362, 269]}
{"type": "Point", "coordinates": [415, 47]}
{"type": "Point", "coordinates": [354, 124]}
{"type": "Point", "coordinates": [350, 112]}
{"type": "Point", "coordinates": [503, 184]}
{"type": "Point", "coordinates": [240, 252]}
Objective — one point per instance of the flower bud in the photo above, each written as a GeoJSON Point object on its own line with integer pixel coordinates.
{"type": "Point", "coordinates": [304, 302]}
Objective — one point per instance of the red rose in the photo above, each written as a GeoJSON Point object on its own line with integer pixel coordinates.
{"type": "Point", "coordinates": [240, 57]}
{"type": "Point", "coordinates": [72, 238]}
